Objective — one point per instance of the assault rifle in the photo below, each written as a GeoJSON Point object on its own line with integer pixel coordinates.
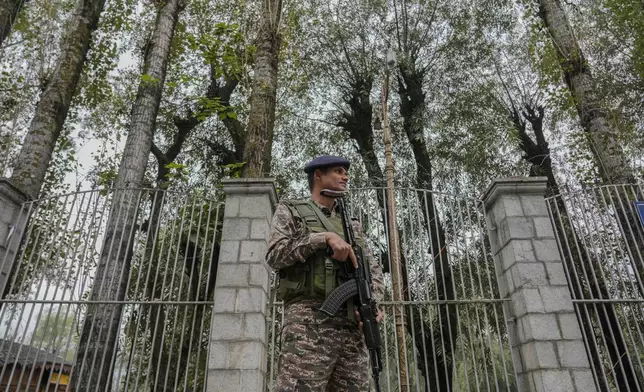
{"type": "Point", "coordinates": [358, 288]}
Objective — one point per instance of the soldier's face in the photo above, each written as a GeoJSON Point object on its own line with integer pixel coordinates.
{"type": "Point", "coordinates": [335, 179]}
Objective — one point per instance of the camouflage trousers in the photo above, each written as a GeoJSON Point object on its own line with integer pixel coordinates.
{"type": "Point", "coordinates": [322, 357]}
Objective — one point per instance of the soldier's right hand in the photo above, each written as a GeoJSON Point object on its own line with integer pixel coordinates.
{"type": "Point", "coordinates": [341, 249]}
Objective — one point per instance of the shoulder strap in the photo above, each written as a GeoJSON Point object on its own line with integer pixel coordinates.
{"type": "Point", "coordinates": [328, 226]}
{"type": "Point", "coordinates": [304, 210]}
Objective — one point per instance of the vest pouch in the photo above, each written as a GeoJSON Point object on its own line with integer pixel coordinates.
{"type": "Point", "coordinates": [325, 275]}
{"type": "Point", "coordinates": [293, 282]}
{"type": "Point", "coordinates": [320, 261]}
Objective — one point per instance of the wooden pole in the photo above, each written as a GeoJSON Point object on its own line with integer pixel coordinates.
{"type": "Point", "coordinates": [394, 244]}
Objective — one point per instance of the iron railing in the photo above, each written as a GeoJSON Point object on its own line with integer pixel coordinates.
{"type": "Point", "coordinates": [115, 286]}
{"type": "Point", "coordinates": [456, 337]}
{"type": "Point", "coordinates": [137, 268]}
{"type": "Point", "coordinates": [602, 243]}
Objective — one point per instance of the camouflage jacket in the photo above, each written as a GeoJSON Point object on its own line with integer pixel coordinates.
{"type": "Point", "coordinates": [290, 243]}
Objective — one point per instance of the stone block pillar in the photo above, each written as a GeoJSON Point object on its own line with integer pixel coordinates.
{"type": "Point", "coordinates": [546, 342]}
{"type": "Point", "coordinates": [13, 219]}
{"type": "Point", "coordinates": [238, 346]}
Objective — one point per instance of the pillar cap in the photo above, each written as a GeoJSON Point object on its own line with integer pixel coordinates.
{"type": "Point", "coordinates": [245, 186]}
{"type": "Point", "coordinates": [516, 186]}
{"type": "Point", "coordinates": [12, 192]}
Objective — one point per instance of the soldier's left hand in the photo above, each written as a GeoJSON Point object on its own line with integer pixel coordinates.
{"type": "Point", "coordinates": [378, 318]}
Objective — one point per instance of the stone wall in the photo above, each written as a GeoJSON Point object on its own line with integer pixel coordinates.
{"type": "Point", "coordinates": [13, 218]}
{"type": "Point", "coordinates": [237, 359]}
{"type": "Point", "coordinates": [546, 342]}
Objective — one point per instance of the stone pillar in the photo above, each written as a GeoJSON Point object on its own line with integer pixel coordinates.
{"type": "Point", "coordinates": [238, 346]}
{"type": "Point", "coordinates": [13, 219]}
{"type": "Point", "coordinates": [546, 342]}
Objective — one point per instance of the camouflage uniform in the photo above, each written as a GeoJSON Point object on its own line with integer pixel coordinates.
{"type": "Point", "coordinates": [318, 352]}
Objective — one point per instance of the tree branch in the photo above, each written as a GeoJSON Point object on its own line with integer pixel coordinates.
{"type": "Point", "coordinates": [184, 126]}
{"type": "Point", "coordinates": [236, 128]}
{"type": "Point", "coordinates": [227, 155]}
{"type": "Point", "coordinates": [527, 144]}
{"type": "Point", "coordinates": [347, 57]}
{"type": "Point", "coordinates": [535, 117]}
{"type": "Point", "coordinates": [160, 156]}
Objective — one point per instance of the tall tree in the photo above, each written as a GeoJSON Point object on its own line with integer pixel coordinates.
{"type": "Point", "coordinates": [34, 158]}
{"type": "Point", "coordinates": [418, 33]}
{"type": "Point", "coordinates": [98, 342]}
{"type": "Point", "coordinates": [161, 362]}
{"type": "Point", "coordinates": [611, 33]}
{"type": "Point", "coordinates": [163, 357]}
{"type": "Point", "coordinates": [348, 58]}
{"type": "Point", "coordinates": [261, 119]}
{"type": "Point", "coordinates": [603, 136]}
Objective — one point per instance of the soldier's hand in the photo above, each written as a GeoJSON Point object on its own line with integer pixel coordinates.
{"type": "Point", "coordinates": [378, 318]}
{"type": "Point", "coordinates": [341, 249]}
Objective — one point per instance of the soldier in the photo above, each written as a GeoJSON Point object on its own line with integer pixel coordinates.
{"type": "Point", "coordinates": [319, 353]}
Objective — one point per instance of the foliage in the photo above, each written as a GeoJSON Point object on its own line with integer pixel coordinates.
{"type": "Point", "coordinates": [57, 332]}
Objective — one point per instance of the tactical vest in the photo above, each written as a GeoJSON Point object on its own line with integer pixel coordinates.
{"type": "Point", "coordinates": [319, 275]}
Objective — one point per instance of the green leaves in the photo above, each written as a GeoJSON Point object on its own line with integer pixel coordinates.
{"type": "Point", "coordinates": [223, 46]}
{"type": "Point", "coordinates": [461, 45]}
{"type": "Point", "coordinates": [176, 172]}
{"type": "Point", "coordinates": [233, 170]}
{"type": "Point", "coordinates": [149, 79]}
{"type": "Point", "coordinates": [106, 178]}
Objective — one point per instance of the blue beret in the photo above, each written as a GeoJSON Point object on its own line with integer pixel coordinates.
{"type": "Point", "coordinates": [326, 161]}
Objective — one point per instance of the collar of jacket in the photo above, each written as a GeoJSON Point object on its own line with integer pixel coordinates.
{"type": "Point", "coordinates": [325, 210]}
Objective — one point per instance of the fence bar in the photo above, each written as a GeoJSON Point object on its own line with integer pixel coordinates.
{"type": "Point", "coordinates": [55, 271]}
{"type": "Point", "coordinates": [601, 240]}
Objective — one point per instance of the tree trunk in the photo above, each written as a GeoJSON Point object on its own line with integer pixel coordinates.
{"type": "Point", "coordinates": [32, 163]}
{"type": "Point", "coordinates": [160, 366]}
{"type": "Point", "coordinates": [261, 119]}
{"type": "Point", "coordinates": [161, 362]}
{"type": "Point", "coordinates": [9, 10]}
{"type": "Point", "coordinates": [412, 107]}
{"type": "Point", "coordinates": [101, 326]}
{"type": "Point", "coordinates": [358, 126]}
{"type": "Point", "coordinates": [611, 161]}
